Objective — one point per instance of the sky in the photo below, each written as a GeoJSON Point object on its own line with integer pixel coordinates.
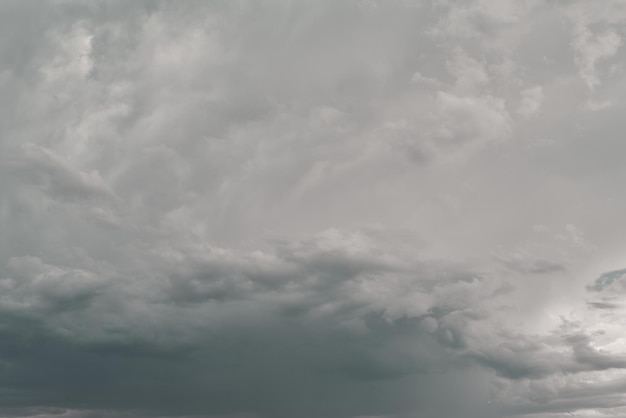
{"type": "Point", "coordinates": [306, 209]}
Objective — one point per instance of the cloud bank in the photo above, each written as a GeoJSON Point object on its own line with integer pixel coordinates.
{"type": "Point", "coordinates": [304, 209]}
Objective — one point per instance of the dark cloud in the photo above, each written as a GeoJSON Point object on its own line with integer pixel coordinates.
{"type": "Point", "coordinates": [607, 280]}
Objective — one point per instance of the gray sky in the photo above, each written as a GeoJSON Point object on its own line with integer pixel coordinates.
{"type": "Point", "coordinates": [304, 209]}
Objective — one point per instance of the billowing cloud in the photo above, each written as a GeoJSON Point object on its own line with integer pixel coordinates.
{"type": "Point", "coordinates": [304, 209]}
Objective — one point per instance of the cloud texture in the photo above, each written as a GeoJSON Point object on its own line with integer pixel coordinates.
{"type": "Point", "coordinates": [305, 209]}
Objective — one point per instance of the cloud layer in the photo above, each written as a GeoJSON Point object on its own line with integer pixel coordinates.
{"type": "Point", "coordinates": [305, 209]}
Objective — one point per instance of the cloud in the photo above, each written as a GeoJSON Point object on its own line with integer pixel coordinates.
{"type": "Point", "coordinates": [482, 119]}
{"type": "Point", "coordinates": [531, 101]}
{"type": "Point", "coordinates": [42, 168]}
{"type": "Point", "coordinates": [607, 280]}
{"type": "Point", "coordinates": [337, 309]}
{"type": "Point", "coordinates": [315, 312]}
{"type": "Point", "coordinates": [469, 73]}
{"type": "Point", "coordinates": [592, 49]}
{"type": "Point", "coordinates": [233, 209]}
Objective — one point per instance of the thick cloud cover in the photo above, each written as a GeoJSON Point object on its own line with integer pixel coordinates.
{"type": "Point", "coordinates": [312, 209]}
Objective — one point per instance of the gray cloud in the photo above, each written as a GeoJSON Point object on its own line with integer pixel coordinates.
{"type": "Point", "coordinates": [298, 209]}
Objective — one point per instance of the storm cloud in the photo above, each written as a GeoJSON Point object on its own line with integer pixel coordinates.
{"type": "Point", "coordinates": [312, 209]}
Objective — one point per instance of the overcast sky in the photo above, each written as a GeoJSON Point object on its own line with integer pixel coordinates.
{"type": "Point", "coordinates": [307, 209]}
